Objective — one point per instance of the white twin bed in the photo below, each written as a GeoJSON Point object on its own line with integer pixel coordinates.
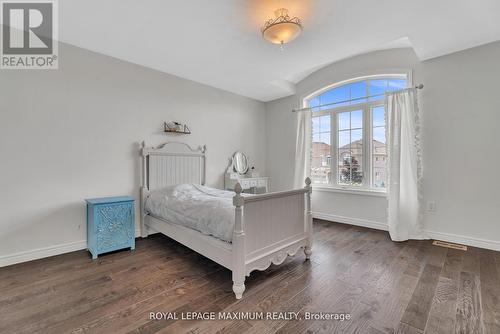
{"type": "Point", "coordinates": [240, 232]}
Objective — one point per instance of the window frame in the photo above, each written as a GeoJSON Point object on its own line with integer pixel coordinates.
{"type": "Point", "coordinates": [366, 106]}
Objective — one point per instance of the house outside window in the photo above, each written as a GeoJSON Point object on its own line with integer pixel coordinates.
{"type": "Point", "coordinates": [348, 132]}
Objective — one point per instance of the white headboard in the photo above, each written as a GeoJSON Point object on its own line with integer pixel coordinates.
{"type": "Point", "coordinates": [172, 163]}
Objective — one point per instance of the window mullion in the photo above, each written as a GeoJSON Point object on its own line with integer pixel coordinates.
{"type": "Point", "coordinates": [367, 120]}
{"type": "Point", "coordinates": [333, 148]}
{"type": "Point", "coordinates": [367, 147]}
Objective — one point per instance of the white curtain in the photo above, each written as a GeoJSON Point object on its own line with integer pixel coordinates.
{"type": "Point", "coordinates": [404, 166]}
{"type": "Point", "coordinates": [302, 148]}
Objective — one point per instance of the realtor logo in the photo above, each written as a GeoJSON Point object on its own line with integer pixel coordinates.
{"type": "Point", "coordinates": [29, 36]}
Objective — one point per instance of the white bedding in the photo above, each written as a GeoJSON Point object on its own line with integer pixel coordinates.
{"type": "Point", "coordinates": [204, 209]}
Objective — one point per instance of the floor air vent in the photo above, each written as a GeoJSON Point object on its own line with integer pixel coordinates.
{"type": "Point", "coordinates": [449, 245]}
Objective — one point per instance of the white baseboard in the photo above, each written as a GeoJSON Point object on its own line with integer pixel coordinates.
{"type": "Point", "coordinates": [461, 239]}
{"type": "Point", "coordinates": [455, 238]}
{"type": "Point", "coordinates": [351, 221]}
{"type": "Point", "coordinates": [40, 253]}
{"type": "Point", "coordinates": [35, 254]}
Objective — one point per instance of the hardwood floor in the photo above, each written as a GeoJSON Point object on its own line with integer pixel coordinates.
{"type": "Point", "coordinates": [386, 287]}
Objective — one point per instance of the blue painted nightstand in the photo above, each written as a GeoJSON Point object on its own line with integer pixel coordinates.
{"type": "Point", "coordinates": [110, 224]}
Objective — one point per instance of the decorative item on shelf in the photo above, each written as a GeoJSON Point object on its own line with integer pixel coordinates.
{"type": "Point", "coordinates": [176, 127]}
{"type": "Point", "coordinates": [253, 172]}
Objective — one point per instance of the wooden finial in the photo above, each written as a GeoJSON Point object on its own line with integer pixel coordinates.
{"type": "Point", "coordinates": [238, 200]}
{"type": "Point", "coordinates": [237, 188]}
{"type": "Point", "coordinates": [308, 181]}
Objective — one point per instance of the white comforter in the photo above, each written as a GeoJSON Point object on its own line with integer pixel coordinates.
{"type": "Point", "coordinates": [207, 210]}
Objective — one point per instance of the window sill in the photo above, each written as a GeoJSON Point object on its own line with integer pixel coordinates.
{"type": "Point", "coordinates": [352, 191]}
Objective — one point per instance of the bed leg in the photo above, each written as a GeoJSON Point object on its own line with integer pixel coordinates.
{"type": "Point", "coordinates": [239, 287]}
{"type": "Point", "coordinates": [308, 220]}
{"type": "Point", "coordinates": [144, 190]}
{"type": "Point", "coordinates": [144, 228]}
{"type": "Point", "coordinates": [308, 252]}
{"type": "Point", "coordinates": [238, 244]}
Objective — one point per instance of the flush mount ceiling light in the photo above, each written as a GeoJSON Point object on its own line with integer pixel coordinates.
{"type": "Point", "coordinates": [282, 29]}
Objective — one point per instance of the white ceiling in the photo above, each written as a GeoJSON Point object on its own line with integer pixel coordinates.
{"type": "Point", "coordinates": [218, 42]}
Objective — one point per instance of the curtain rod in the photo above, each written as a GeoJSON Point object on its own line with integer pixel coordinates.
{"type": "Point", "coordinates": [421, 86]}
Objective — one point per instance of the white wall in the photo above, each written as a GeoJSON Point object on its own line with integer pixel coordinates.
{"type": "Point", "coordinates": [461, 114]}
{"type": "Point", "coordinates": [74, 133]}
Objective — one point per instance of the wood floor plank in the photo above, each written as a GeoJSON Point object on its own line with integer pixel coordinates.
{"type": "Point", "coordinates": [442, 314]}
{"type": "Point", "coordinates": [470, 260]}
{"type": "Point", "coordinates": [490, 291]}
{"type": "Point", "coordinates": [373, 330]}
{"type": "Point", "coordinates": [417, 312]}
{"type": "Point", "coordinates": [444, 304]}
{"type": "Point", "coordinates": [452, 264]}
{"type": "Point", "coordinates": [469, 308]}
{"type": "Point", "coordinates": [404, 328]}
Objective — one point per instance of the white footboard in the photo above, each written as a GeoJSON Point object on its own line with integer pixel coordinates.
{"type": "Point", "coordinates": [267, 229]}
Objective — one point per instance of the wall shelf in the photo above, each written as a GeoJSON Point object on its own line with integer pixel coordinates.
{"type": "Point", "coordinates": [178, 132]}
{"type": "Point", "coordinates": [184, 131]}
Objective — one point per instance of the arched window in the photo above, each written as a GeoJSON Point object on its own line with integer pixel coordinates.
{"type": "Point", "coordinates": [348, 131]}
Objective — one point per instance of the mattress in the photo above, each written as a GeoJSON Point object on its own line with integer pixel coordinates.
{"type": "Point", "coordinates": [204, 209]}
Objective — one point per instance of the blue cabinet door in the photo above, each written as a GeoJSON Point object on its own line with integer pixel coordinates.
{"type": "Point", "coordinates": [114, 224]}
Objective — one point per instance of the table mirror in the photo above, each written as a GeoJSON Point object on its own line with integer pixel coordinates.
{"type": "Point", "coordinates": [240, 162]}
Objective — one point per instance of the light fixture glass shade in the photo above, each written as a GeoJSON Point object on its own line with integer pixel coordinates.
{"type": "Point", "coordinates": [282, 33]}
{"type": "Point", "coordinates": [282, 29]}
